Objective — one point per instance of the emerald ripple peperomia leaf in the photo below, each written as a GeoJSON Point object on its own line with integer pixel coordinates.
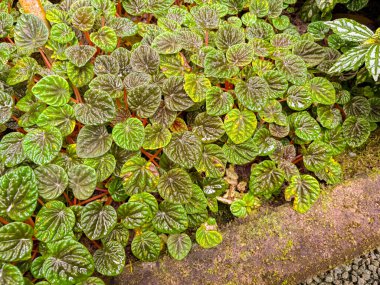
{"type": "Point", "coordinates": [79, 55]}
{"type": "Point", "coordinates": [42, 145]}
{"type": "Point", "coordinates": [82, 181]}
{"type": "Point", "coordinates": [207, 234]}
{"type": "Point", "coordinates": [103, 165]}
{"type": "Point", "coordinates": [198, 201]}
{"type": "Point", "coordinates": [80, 76]}
{"type": "Point", "coordinates": [218, 102]}
{"type": "Point", "coordinates": [6, 104]}
{"type": "Point", "coordinates": [266, 179]}
{"type": "Point", "coordinates": [146, 246]}
{"type": "Point", "coordinates": [90, 281]}
{"type": "Point", "coordinates": [93, 141]}
{"type": "Point", "coordinates": [36, 267]}
{"type": "Point", "coordinates": [134, 214]}
{"type": "Point", "coordinates": [240, 125]}
{"type": "Point", "coordinates": [240, 153]}
{"type": "Point", "coordinates": [119, 234]}
{"type": "Point", "coordinates": [321, 91]}
{"type": "Point", "coordinates": [305, 190]}
{"type": "Point", "coordinates": [356, 131]}
{"type": "Point", "coordinates": [68, 262]}
{"type": "Point", "coordinates": [129, 134]}
{"type": "Point", "coordinates": [156, 136]}
{"type": "Point", "coordinates": [54, 222]}
{"type": "Point", "coordinates": [208, 128]}
{"type": "Point", "coordinates": [196, 86]}
{"type": "Point", "coordinates": [213, 161]}
{"type": "Point", "coordinates": [110, 260]}
{"type": "Point", "coordinates": [11, 151]}
{"type": "Point", "coordinates": [305, 126]}
{"type": "Point", "coordinates": [97, 221]}
{"type": "Point", "coordinates": [52, 90]}
{"type": "Point", "coordinates": [252, 93]}
{"type": "Point", "coordinates": [145, 100]}
{"type": "Point", "coordinates": [175, 186]}
{"type": "Point", "coordinates": [294, 68]}
{"type": "Point", "coordinates": [10, 274]}
{"type": "Point", "coordinates": [63, 118]}
{"type": "Point", "coordinates": [18, 193]}
{"type": "Point", "coordinates": [139, 176]}
{"type": "Point", "coordinates": [147, 199]}
{"type": "Point", "coordinates": [316, 155]}
{"type": "Point", "coordinates": [145, 59]}
{"type": "Point", "coordinates": [171, 218]}
{"type": "Point", "coordinates": [52, 181]}
{"type": "Point", "coordinates": [179, 245]}
{"type": "Point", "coordinates": [16, 242]}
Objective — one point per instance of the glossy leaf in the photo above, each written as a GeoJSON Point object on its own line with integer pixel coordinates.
{"type": "Point", "coordinates": [266, 179]}
{"type": "Point", "coordinates": [93, 141]}
{"type": "Point", "coordinates": [207, 235]}
{"type": "Point", "coordinates": [156, 136]}
{"type": "Point", "coordinates": [16, 242]}
{"type": "Point", "coordinates": [11, 151]}
{"type": "Point", "coordinates": [179, 245]}
{"type": "Point", "coordinates": [144, 100]}
{"type": "Point", "coordinates": [356, 131]}
{"type": "Point", "coordinates": [82, 181]}
{"type": "Point", "coordinates": [110, 260]}
{"type": "Point", "coordinates": [146, 246]}
{"type": "Point", "coordinates": [294, 68]}
{"type": "Point", "coordinates": [240, 125]}
{"type": "Point", "coordinates": [171, 218]}
{"type": "Point", "coordinates": [80, 54]}
{"type": "Point", "coordinates": [52, 181]}
{"type": "Point", "coordinates": [105, 38]}
{"type": "Point", "coordinates": [52, 90]}
{"type": "Point", "coordinates": [175, 186]}
{"type": "Point", "coordinates": [129, 134]}
{"type": "Point", "coordinates": [305, 190]}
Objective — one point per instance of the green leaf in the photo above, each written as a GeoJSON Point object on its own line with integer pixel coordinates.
{"type": "Point", "coordinates": [272, 113]}
{"type": "Point", "coordinates": [79, 55]}
{"type": "Point", "coordinates": [16, 242]}
{"type": "Point", "coordinates": [240, 153]}
{"type": "Point", "coordinates": [6, 105]}
{"type": "Point", "coordinates": [239, 208]}
{"type": "Point", "coordinates": [259, 8]}
{"type": "Point", "coordinates": [229, 35]}
{"type": "Point", "coordinates": [6, 24]}
{"type": "Point", "coordinates": [264, 143]}
{"type": "Point", "coordinates": [83, 18]}
{"type": "Point", "coordinates": [105, 38]}
{"type": "Point", "coordinates": [311, 52]}
{"type": "Point", "coordinates": [52, 90]}
{"type": "Point", "coordinates": [167, 43]}
{"type": "Point", "coordinates": [36, 267]}
{"type": "Point", "coordinates": [109, 83]}
{"type": "Point", "coordinates": [10, 275]}
{"type": "Point", "coordinates": [372, 61]}
{"type": "Point", "coordinates": [277, 83]}
{"type": "Point", "coordinates": [252, 93]}
{"type": "Point", "coordinates": [61, 33]}
{"type": "Point", "coordinates": [63, 118]}
{"type": "Point", "coordinates": [30, 33]}
{"type": "Point", "coordinates": [316, 156]}
{"type": "Point", "coordinates": [134, 214]}
{"type": "Point", "coordinates": [42, 145]}
{"type": "Point", "coordinates": [52, 181]}
{"type": "Point", "coordinates": [196, 86]}
{"type": "Point", "coordinates": [294, 68]}
{"type": "Point", "coordinates": [240, 54]}
{"type": "Point", "coordinates": [175, 186]}
{"type": "Point", "coordinates": [68, 262]}
{"type": "Point", "coordinates": [98, 108]}
{"type": "Point", "coordinates": [144, 100]}
{"type": "Point", "coordinates": [350, 30]}
{"type": "Point", "coordinates": [156, 136]}
{"type": "Point", "coordinates": [358, 106]}
{"type": "Point", "coordinates": [216, 65]}
{"type": "Point", "coordinates": [123, 27]}
{"type": "Point", "coordinates": [119, 234]}
{"type": "Point", "coordinates": [266, 179]}
{"type": "Point", "coordinates": [145, 59]}
{"type": "Point", "coordinates": [184, 149]}
{"type": "Point", "coordinates": [110, 260]}
{"type": "Point", "coordinates": [329, 117]}
{"type": "Point", "coordinates": [82, 181]}
{"type": "Point", "coordinates": [147, 199]}
{"type": "Point", "coordinates": [108, 64]}
{"type": "Point", "coordinates": [208, 128]}
{"type": "Point", "coordinates": [305, 126]}
{"type": "Point", "coordinates": [11, 151]}
{"type": "Point", "coordinates": [93, 141]}
{"type": "Point", "coordinates": [373, 116]}
{"type": "Point", "coordinates": [356, 131]}
{"type": "Point", "coordinates": [80, 76]}
{"type": "Point", "coordinates": [97, 221]}
{"type": "Point", "coordinates": [305, 190]}
{"type": "Point", "coordinates": [207, 235]}
{"type": "Point", "coordinates": [198, 201]}
{"type": "Point", "coordinates": [332, 173]}
{"type": "Point", "coordinates": [129, 134]}
{"type": "Point", "coordinates": [90, 281]}
{"type": "Point", "coordinates": [139, 176]}
{"type": "Point", "coordinates": [146, 246]}
{"type": "Point", "coordinates": [321, 91]}
{"type": "Point", "coordinates": [171, 218]}
{"type": "Point", "coordinates": [179, 245]}
{"type": "Point", "coordinates": [350, 60]}
{"type": "Point", "coordinates": [175, 96]}
{"type": "Point", "coordinates": [18, 193]}
{"type": "Point", "coordinates": [299, 98]}
{"type": "Point", "coordinates": [23, 70]}
{"type": "Point", "coordinates": [240, 125]}
{"type": "Point", "coordinates": [218, 102]}
{"type": "Point", "coordinates": [103, 165]}
{"type": "Point", "coordinates": [213, 161]}
{"type": "Point", "coordinates": [54, 222]}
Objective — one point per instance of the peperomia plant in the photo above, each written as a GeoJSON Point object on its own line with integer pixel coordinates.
{"type": "Point", "coordinates": [121, 124]}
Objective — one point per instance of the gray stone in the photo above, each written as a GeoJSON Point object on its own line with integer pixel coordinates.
{"type": "Point", "coordinates": [354, 279]}
{"type": "Point", "coordinates": [345, 275]}
{"type": "Point", "coordinates": [361, 281]}
{"type": "Point", "coordinates": [366, 276]}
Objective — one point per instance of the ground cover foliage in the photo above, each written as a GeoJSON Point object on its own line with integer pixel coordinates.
{"type": "Point", "coordinates": [121, 123]}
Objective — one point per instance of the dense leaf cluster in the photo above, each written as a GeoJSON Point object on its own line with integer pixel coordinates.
{"type": "Point", "coordinates": [121, 124]}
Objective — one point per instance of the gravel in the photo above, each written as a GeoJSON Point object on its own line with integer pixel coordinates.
{"type": "Point", "coordinates": [364, 270]}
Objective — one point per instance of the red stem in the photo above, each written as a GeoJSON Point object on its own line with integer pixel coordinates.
{"type": "Point", "coordinates": [46, 60]}
{"type": "Point", "coordinates": [87, 36]}
{"type": "Point", "coordinates": [77, 94]}
{"type": "Point", "coordinates": [3, 221]}
{"type": "Point", "coordinates": [93, 198]}
{"type": "Point", "coordinates": [67, 198]}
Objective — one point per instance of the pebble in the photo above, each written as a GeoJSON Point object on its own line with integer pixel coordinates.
{"type": "Point", "coordinates": [363, 270]}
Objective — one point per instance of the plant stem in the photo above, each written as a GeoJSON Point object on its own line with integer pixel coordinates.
{"type": "Point", "coordinates": [3, 221]}
{"type": "Point", "coordinates": [297, 159]}
{"type": "Point", "coordinates": [93, 198]}
{"type": "Point", "coordinates": [95, 244]}
{"type": "Point", "coordinates": [44, 57]}
{"type": "Point", "coordinates": [40, 201]}
{"type": "Point", "coordinates": [77, 94]}
{"type": "Point", "coordinates": [67, 198]}
{"type": "Point", "coordinates": [87, 36]}
{"type": "Point", "coordinates": [206, 37]}
{"type": "Point", "coordinates": [30, 222]}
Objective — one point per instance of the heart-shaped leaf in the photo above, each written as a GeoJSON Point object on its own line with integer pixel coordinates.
{"type": "Point", "coordinates": [171, 218]}
{"type": "Point", "coordinates": [139, 176]}
{"type": "Point", "coordinates": [213, 161]}
{"type": "Point", "coordinates": [305, 126]}
{"type": "Point", "coordinates": [184, 149]}
{"type": "Point", "coordinates": [82, 181]}
{"type": "Point", "coordinates": [240, 153]}
{"type": "Point", "coordinates": [196, 86]}
{"type": "Point", "coordinates": [63, 118]}
{"type": "Point", "coordinates": [175, 96]}
{"type": "Point", "coordinates": [23, 70]}
{"type": "Point", "coordinates": [293, 67]}
{"type": "Point", "coordinates": [68, 262]}
{"type": "Point", "coordinates": [266, 179]}
{"type": "Point", "coordinates": [299, 98]}
{"type": "Point", "coordinates": [311, 52]}
{"type": "Point", "coordinates": [109, 83]}
{"type": "Point", "coordinates": [105, 38]}
{"type": "Point", "coordinates": [207, 234]}
{"type": "Point", "coordinates": [240, 125]}
{"type": "Point", "coordinates": [305, 190]}
{"type": "Point", "coordinates": [240, 54]}
{"type": "Point", "coordinates": [218, 102]}
{"type": "Point", "coordinates": [61, 33]}
{"type": "Point", "coordinates": [6, 105]}
{"type": "Point", "coordinates": [156, 136]}
{"type": "Point", "coordinates": [179, 245]}
{"type": "Point", "coordinates": [316, 156]}
{"type": "Point", "coordinates": [110, 260]}
{"type": "Point", "coordinates": [16, 242]}
{"type": "Point", "coordinates": [134, 214]}
{"type": "Point", "coordinates": [198, 202]}
{"type": "Point", "coordinates": [119, 234]}
{"type": "Point", "coordinates": [103, 165]}
{"type": "Point", "coordinates": [80, 54]}
{"type": "Point", "coordinates": [93, 141]}
{"type": "Point", "coordinates": [11, 151]}
{"type": "Point", "coordinates": [144, 100]}
{"type": "Point", "coordinates": [356, 131]}
{"type": "Point", "coordinates": [145, 59]}
{"type": "Point", "coordinates": [54, 222]}
{"type": "Point", "coordinates": [52, 90]}
{"type": "Point", "coordinates": [97, 221]}
{"type": "Point", "coordinates": [83, 18]}
{"type": "Point", "coordinates": [146, 246]}
{"type": "Point", "coordinates": [208, 128]}
{"type": "Point", "coordinates": [107, 64]}
{"type": "Point", "coordinates": [10, 274]}
{"type": "Point", "coordinates": [216, 65]}
{"type": "Point", "coordinates": [175, 186]}
{"type": "Point", "coordinates": [80, 76]}
{"type": "Point", "coordinates": [322, 91]}
{"type": "Point", "coordinates": [18, 193]}
{"type": "Point", "coordinates": [52, 181]}
{"type": "Point", "coordinates": [167, 43]}
{"type": "Point", "coordinates": [129, 134]}
{"type": "Point", "coordinates": [252, 93]}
